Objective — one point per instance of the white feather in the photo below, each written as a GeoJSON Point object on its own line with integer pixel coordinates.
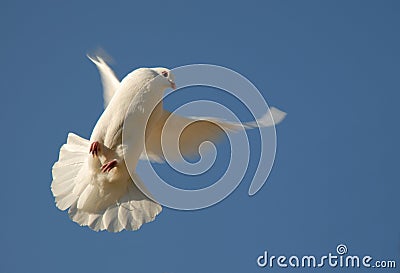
{"type": "Point", "coordinates": [112, 201]}
{"type": "Point", "coordinates": [209, 129]}
{"type": "Point", "coordinates": [108, 79]}
{"type": "Point", "coordinates": [109, 201]}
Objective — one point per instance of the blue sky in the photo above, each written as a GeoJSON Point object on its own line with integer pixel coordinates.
{"type": "Point", "coordinates": [332, 65]}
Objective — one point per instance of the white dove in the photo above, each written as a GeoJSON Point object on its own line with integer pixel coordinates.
{"type": "Point", "coordinates": [91, 178]}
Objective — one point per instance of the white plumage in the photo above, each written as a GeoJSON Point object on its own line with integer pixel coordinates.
{"type": "Point", "coordinates": [96, 187]}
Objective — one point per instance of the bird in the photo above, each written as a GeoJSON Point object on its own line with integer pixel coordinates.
{"type": "Point", "coordinates": [91, 178]}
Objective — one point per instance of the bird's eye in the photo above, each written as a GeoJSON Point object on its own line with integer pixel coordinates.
{"type": "Point", "coordinates": [164, 73]}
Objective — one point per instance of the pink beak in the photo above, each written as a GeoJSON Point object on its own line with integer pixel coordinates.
{"type": "Point", "coordinates": [173, 85]}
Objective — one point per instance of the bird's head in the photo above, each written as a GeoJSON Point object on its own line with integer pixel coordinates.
{"type": "Point", "coordinates": [166, 76]}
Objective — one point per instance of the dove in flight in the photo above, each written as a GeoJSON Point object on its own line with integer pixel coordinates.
{"type": "Point", "coordinates": [91, 179]}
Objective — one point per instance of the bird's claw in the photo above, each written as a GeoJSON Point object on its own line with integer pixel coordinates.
{"type": "Point", "coordinates": [109, 166]}
{"type": "Point", "coordinates": [94, 148]}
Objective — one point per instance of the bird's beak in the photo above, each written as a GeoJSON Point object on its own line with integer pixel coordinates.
{"type": "Point", "coordinates": [173, 85]}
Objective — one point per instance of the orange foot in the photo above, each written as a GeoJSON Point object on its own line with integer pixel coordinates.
{"type": "Point", "coordinates": [94, 148]}
{"type": "Point", "coordinates": [109, 166]}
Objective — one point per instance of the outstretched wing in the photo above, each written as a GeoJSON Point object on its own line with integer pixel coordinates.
{"type": "Point", "coordinates": [162, 140]}
{"type": "Point", "coordinates": [196, 129]}
{"type": "Point", "coordinates": [109, 81]}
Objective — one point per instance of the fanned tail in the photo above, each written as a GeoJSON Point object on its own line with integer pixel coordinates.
{"type": "Point", "coordinates": [132, 210]}
{"type": "Point", "coordinates": [76, 186]}
{"type": "Point", "coordinates": [73, 156]}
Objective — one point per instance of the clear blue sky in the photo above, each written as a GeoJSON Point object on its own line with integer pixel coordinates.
{"type": "Point", "coordinates": [332, 65]}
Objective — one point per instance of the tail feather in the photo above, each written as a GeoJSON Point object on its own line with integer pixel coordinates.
{"type": "Point", "coordinates": [110, 219]}
{"type": "Point", "coordinates": [72, 157]}
{"type": "Point", "coordinates": [65, 201]}
{"type": "Point", "coordinates": [95, 221]}
{"type": "Point", "coordinates": [132, 210]}
{"type": "Point", "coordinates": [73, 187]}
